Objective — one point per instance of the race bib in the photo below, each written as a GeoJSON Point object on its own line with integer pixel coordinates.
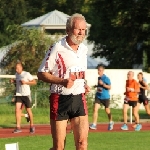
{"type": "Point", "coordinates": [99, 89]}
{"type": "Point", "coordinates": [77, 72]}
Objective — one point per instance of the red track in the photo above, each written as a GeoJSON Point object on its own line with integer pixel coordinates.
{"type": "Point", "coordinates": [45, 130]}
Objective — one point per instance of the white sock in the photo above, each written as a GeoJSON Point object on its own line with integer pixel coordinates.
{"type": "Point", "coordinates": [26, 115]}
{"type": "Point", "coordinates": [94, 124]}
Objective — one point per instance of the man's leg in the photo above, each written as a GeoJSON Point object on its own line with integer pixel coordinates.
{"type": "Point", "coordinates": [58, 129]}
{"type": "Point", "coordinates": [111, 123]}
{"type": "Point", "coordinates": [80, 129]}
{"type": "Point", "coordinates": [52, 124]}
{"type": "Point", "coordinates": [27, 104]}
{"type": "Point", "coordinates": [146, 105]}
{"type": "Point", "coordinates": [29, 111]}
{"type": "Point", "coordinates": [18, 114]}
{"type": "Point", "coordinates": [23, 114]}
{"type": "Point", "coordinates": [138, 107]}
{"type": "Point", "coordinates": [107, 110]}
{"type": "Point", "coordinates": [95, 115]}
{"type": "Point", "coordinates": [136, 116]}
{"type": "Point", "coordinates": [106, 103]}
{"type": "Point", "coordinates": [125, 111]}
{"type": "Point", "coordinates": [125, 116]}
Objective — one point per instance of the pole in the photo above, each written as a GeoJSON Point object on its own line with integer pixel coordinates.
{"type": "Point", "coordinates": [131, 114]}
{"type": "Point", "coordinates": [35, 99]}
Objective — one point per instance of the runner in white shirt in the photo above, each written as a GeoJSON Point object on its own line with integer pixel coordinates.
{"type": "Point", "coordinates": [23, 81]}
{"type": "Point", "coordinates": [64, 68]}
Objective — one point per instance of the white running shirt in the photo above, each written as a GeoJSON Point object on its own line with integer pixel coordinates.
{"type": "Point", "coordinates": [23, 89]}
{"type": "Point", "coordinates": [62, 61]}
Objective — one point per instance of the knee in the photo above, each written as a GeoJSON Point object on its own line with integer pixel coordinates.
{"type": "Point", "coordinates": [135, 113]}
{"type": "Point", "coordinates": [29, 111]}
{"type": "Point", "coordinates": [124, 111]}
{"type": "Point", "coordinates": [107, 110]}
{"type": "Point", "coordinates": [95, 111]}
{"type": "Point", "coordinates": [82, 145]}
{"type": "Point", "coordinates": [17, 110]}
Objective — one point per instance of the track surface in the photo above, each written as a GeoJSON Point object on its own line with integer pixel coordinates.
{"type": "Point", "coordinates": [45, 130]}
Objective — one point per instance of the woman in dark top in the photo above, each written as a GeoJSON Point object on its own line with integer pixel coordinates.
{"type": "Point", "coordinates": [142, 96]}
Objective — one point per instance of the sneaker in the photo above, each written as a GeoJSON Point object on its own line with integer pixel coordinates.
{"type": "Point", "coordinates": [28, 118]}
{"type": "Point", "coordinates": [32, 130]}
{"type": "Point", "coordinates": [134, 126]}
{"type": "Point", "coordinates": [124, 127]}
{"type": "Point", "coordinates": [92, 126]}
{"type": "Point", "coordinates": [17, 130]}
{"type": "Point", "coordinates": [111, 125]}
{"type": "Point", "coordinates": [138, 127]}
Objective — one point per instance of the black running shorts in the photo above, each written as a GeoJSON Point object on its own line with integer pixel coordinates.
{"type": "Point", "coordinates": [143, 99]}
{"type": "Point", "coordinates": [104, 102]}
{"type": "Point", "coordinates": [64, 107]}
{"type": "Point", "coordinates": [131, 103]}
{"type": "Point", "coordinates": [24, 100]}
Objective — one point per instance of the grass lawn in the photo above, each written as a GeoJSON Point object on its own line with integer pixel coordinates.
{"type": "Point", "coordinates": [41, 115]}
{"type": "Point", "coordinates": [96, 141]}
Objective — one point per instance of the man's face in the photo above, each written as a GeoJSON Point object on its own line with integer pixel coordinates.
{"type": "Point", "coordinates": [77, 34]}
{"type": "Point", "coordinates": [130, 75]}
{"type": "Point", "coordinates": [140, 77]}
{"type": "Point", "coordinates": [100, 71]}
{"type": "Point", "coordinates": [19, 68]}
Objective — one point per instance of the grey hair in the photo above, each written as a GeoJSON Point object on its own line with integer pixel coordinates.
{"type": "Point", "coordinates": [70, 20]}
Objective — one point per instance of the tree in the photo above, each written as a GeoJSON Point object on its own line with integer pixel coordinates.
{"type": "Point", "coordinates": [37, 8]}
{"type": "Point", "coordinates": [29, 47]}
{"type": "Point", "coordinates": [11, 12]}
{"type": "Point", "coordinates": [123, 31]}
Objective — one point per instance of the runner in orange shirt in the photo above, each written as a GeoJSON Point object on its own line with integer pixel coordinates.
{"type": "Point", "coordinates": [131, 99]}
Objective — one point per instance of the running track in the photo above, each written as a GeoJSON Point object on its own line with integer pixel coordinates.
{"type": "Point", "coordinates": [45, 130]}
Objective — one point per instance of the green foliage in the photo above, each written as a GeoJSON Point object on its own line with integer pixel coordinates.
{"type": "Point", "coordinates": [30, 46]}
{"type": "Point", "coordinates": [38, 8]}
{"type": "Point", "coordinates": [120, 29]}
{"type": "Point", "coordinates": [41, 93]}
{"type": "Point", "coordinates": [11, 12]}
{"type": "Point", "coordinates": [123, 31]}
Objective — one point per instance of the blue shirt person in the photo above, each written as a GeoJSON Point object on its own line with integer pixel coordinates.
{"type": "Point", "coordinates": [102, 92]}
{"type": "Point", "coordinates": [102, 97]}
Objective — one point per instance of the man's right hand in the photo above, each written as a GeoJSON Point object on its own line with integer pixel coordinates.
{"type": "Point", "coordinates": [12, 80]}
{"type": "Point", "coordinates": [68, 83]}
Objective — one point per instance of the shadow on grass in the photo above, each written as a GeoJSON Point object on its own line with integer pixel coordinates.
{"type": "Point", "coordinates": [6, 126]}
{"type": "Point", "coordinates": [144, 116]}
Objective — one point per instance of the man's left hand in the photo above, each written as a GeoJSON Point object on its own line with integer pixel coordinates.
{"type": "Point", "coordinates": [87, 89]}
{"type": "Point", "coordinates": [23, 82]}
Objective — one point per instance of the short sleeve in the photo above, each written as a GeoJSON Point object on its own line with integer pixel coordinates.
{"type": "Point", "coordinates": [30, 77]}
{"type": "Point", "coordinates": [107, 81]}
{"type": "Point", "coordinates": [48, 62]}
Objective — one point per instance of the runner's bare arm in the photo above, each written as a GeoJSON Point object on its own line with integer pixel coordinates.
{"type": "Point", "coordinates": [49, 78]}
{"type": "Point", "coordinates": [107, 86]}
{"type": "Point", "coordinates": [32, 82]}
{"type": "Point", "coordinates": [145, 87]}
